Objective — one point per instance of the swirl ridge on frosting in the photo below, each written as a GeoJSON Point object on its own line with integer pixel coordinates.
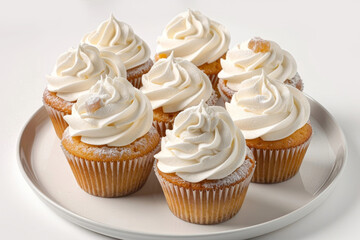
{"type": "Point", "coordinates": [267, 108]}
{"type": "Point", "coordinates": [204, 144]}
{"type": "Point", "coordinates": [78, 69]}
{"type": "Point", "coordinates": [242, 63]}
{"type": "Point", "coordinates": [194, 37]}
{"type": "Point", "coordinates": [112, 113]}
{"type": "Point", "coordinates": [175, 84]}
{"type": "Point", "coordinates": [118, 37]}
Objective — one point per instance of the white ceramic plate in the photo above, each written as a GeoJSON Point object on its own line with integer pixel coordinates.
{"type": "Point", "coordinates": [145, 214]}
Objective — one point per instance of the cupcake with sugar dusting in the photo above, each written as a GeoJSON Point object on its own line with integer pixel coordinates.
{"type": "Point", "coordinates": [110, 142]}
{"type": "Point", "coordinates": [172, 85]}
{"type": "Point", "coordinates": [274, 118]}
{"type": "Point", "coordinates": [75, 72]}
{"type": "Point", "coordinates": [249, 59]}
{"type": "Point", "coordinates": [119, 38]}
{"type": "Point", "coordinates": [204, 166]}
{"type": "Point", "coordinates": [193, 36]}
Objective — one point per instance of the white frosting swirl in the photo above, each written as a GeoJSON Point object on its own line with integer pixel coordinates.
{"type": "Point", "coordinates": [242, 63]}
{"type": "Point", "coordinates": [204, 144]}
{"type": "Point", "coordinates": [175, 84]}
{"type": "Point", "coordinates": [78, 69]}
{"type": "Point", "coordinates": [193, 36]}
{"type": "Point", "coordinates": [124, 115]}
{"type": "Point", "coordinates": [119, 38]}
{"type": "Point", "coordinates": [268, 109]}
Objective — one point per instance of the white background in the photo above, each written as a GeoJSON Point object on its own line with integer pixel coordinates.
{"type": "Point", "coordinates": [323, 36]}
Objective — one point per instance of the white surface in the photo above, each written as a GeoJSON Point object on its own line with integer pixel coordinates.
{"type": "Point", "coordinates": [145, 214]}
{"type": "Point", "coordinates": [323, 36]}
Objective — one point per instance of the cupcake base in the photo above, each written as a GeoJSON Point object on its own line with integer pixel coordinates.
{"type": "Point", "coordinates": [57, 108]}
{"type": "Point", "coordinates": [226, 93]}
{"type": "Point", "coordinates": [161, 126]}
{"type": "Point", "coordinates": [212, 70]}
{"type": "Point", "coordinates": [210, 201]}
{"type": "Point", "coordinates": [134, 75]}
{"type": "Point", "coordinates": [278, 163]}
{"type": "Point", "coordinates": [105, 177]}
{"type": "Point", "coordinates": [57, 119]}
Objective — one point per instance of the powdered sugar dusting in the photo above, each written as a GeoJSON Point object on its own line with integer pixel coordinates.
{"type": "Point", "coordinates": [238, 174]}
{"type": "Point", "coordinates": [105, 152]}
{"type": "Point", "coordinates": [212, 99]}
{"type": "Point", "coordinates": [141, 69]}
{"type": "Point", "coordinates": [62, 104]}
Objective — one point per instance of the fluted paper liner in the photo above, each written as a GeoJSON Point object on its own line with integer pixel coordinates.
{"type": "Point", "coordinates": [136, 82]}
{"type": "Point", "coordinates": [274, 166]}
{"type": "Point", "coordinates": [214, 80]}
{"type": "Point", "coordinates": [111, 178]}
{"type": "Point", "coordinates": [138, 71]}
{"type": "Point", "coordinates": [207, 206]}
{"type": "Point", "coordinates": [57, 119]}
{"type": "Point", "coordinates": [162, 126]}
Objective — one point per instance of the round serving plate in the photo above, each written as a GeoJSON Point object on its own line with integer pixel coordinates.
{"type": "Point", "coordinates": [145, 214]}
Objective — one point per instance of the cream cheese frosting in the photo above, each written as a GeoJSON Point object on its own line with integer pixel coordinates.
{"type": "Point", "coordinates": [112, 113]}
{"type": "Point", "coordinates": [242, 63]}
{"type": "Point", "coordinates": [78, 69]}
{"type": "Point", "coordinates": [268, 109]}
{"type": "Point", "coordinates": [204, 144]}
{"type": "Point", "coordinates": [193, 36]}
{"type": "Point", "coordinates": [175, 84]}
{"type": "Point", "coordinates": [118, 37]}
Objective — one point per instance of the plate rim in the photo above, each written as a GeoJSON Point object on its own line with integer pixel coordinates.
{"type": "Point", "coordinates": [103, 229]}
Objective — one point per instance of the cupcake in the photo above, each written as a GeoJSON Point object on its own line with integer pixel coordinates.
{"type": "Point", "coordinates": [75, 72]}
{"type": "Point", "coordinates": [196, 38]}
{"type": "Point", "coordinates": [110, 142]}
{"type": "Point", "coordinates": [172, 85]}
{"type": "Point", "coordinates": [274, 118]}
{"type": "Point", "coordinates": [118, 37]}
{"type": "Point", "coordinates": [204, 166]}
{"type": "Point", "coordinates": [249, 59]}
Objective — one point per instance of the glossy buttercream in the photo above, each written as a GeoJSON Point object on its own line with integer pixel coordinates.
{"type": "Point", "coordinates": [204, 144]}
{"type": "Point", "coordinates": [193, 36]}
{"type": "Point", "coordinates": [112, 113]}
{"type": "Point", "coordinates": [78, 69]}
{"type": "Point", "coordinates": [175, 84]}
{"type": "Point", "coordinates": [118, 37]}
{"type": "Point", "coordinates": [242, 63]}
{"type": "Point", "coordinates": [266, 108]}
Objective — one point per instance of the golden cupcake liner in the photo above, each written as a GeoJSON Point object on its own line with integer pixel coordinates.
{"type": "Point", "coordinates": [111, 178]}
{"type": "Point", "coordinates": [214, 80]}
{"type": "Point", "coordinates": [274, 166]}
{"type": "Point", "coordinates": [57, 119]}
{"type": "Point", "coordinates": [207, 206]}
{"type": "Point", "coordinates": [162, 126]}
{"type": "Point", "coordinates": [136, 82]}
{"type": "Point", "coordinates": [139, 70]}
